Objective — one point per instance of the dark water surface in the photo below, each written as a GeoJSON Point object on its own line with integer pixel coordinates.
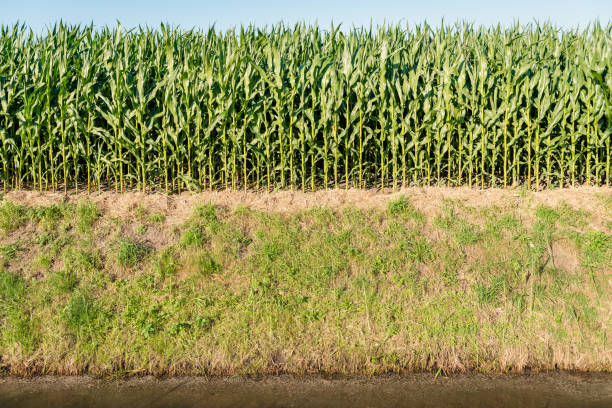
{"type": "Point", "coordinates": [541, 390]}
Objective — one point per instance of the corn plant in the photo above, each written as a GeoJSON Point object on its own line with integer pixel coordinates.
{"type": "Point", "coordinates": [304, 108]}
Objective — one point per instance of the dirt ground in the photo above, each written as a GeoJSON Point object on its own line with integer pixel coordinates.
{"type": "Point", "coordinates": [427, 199]}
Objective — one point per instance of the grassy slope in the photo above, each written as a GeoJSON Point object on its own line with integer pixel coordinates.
{"type": "Point", "coordinates": [341, 290]}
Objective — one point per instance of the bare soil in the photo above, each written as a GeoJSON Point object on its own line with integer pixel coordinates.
{"type": "Point", "coordinates": [179, 207]}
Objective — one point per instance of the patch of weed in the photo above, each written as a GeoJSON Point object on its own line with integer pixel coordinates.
{"type": "Point", "coordinates": [208, 213]}
{"type": "Point", "coordinates": [131, 252]}
{"type": "Point", "coordinates": [82, 260]}
{"type": "Point", "coordinates": [204, 323]}
{"type": "Point", "coordinates": [49, 216]}
{"type": "Point", "coordinates": [63, 281]}
{"type": "Point", "coordinates": [86, 214]}
{"type": "Point", "coordinates": [82, 314]}
{"type": "Point", "coordinates": [466, 233]}
{"type": "Point", "coordinates": [157, 218]}
{"type": "Point", "coordinates": [490, 293]}
{"type": "Point", "coordinates": [43, 260]}
{"type": "Point", "coordinates": [43, 238]}
{"type": "Point", "coordinates": [597, 248]}
{"type": "Point", "coordinates": [166, 262]}
{"type": "Point", "coordinates": [12, 216]}
{"type": "Point", "coordinates": [207, 265]}
{"type": "Point", "coordinates": [446, 220]}
{"type": "Point", "coordinates": [176, 328]}
{"type": "Point", "coordinates": [193, 237]}
{"type": "Point", "coordinates": [496, 225]}
{"type": "Point", "coordinates": [149, 320]}
{"type": "Point", "coordinates": [571, 216]}
{"type": "Point", "coordinates": [547, 214]}
{"type": "Point", "coordinates": [401, 206]}
{"type": "Point", "coordinates": [20, 327]}
{"type": "Point", "coordinates": [9, 252]}
{"type": "Point", "coordinates": [398, 206]}
{"type": "Point", "coordinates": [12, 287]}
{"type": "Point", "coordinates": [140, 213]}
{"type": "Point", "coordinates": [419, 250]}
{"type": "Point", "coordinates": [380, 265]}
{"type": "Point", "coordinates": [140, 229]}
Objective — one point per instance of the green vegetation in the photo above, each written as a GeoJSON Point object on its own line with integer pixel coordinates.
{"type": "Point", "coordinates": [342, 290]}
{"type": "Point", "coordinates": [131, 252]}
{"type": "Point", "coordinates": [303, 108]}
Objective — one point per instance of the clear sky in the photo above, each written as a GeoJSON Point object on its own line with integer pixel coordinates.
{"type": "Point", "coordinates": [230, 13]}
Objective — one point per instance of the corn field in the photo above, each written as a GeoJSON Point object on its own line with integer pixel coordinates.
{"type": "Point", "coordinates": [298, 107]}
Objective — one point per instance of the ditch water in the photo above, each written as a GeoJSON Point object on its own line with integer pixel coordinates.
{"type": "Point", "coordinates": [541, 390]}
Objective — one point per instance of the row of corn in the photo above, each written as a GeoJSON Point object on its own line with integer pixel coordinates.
{"type": "Point", "coordinates": [299, 107]}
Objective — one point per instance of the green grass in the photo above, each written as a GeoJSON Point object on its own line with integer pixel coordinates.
{"type": "Point", "coordinates": [87, 215]}
{"type": "Point", "coordinates": [206, 264]}
{"type": "Point", "coordinates": [11, 216]}
{"type": "Point", "coordinates": [10, 251]}
{"type": "Point", "coordinates": [62, 281]}
{"type": "Point", "coordinates": [131, 252]}
{"type": "Point", "coordinates": [12, 287]}
{"type": "Point", "coordinates": [166, 263]}
{"type": "Point", "coordinates": [597, 248]}
{"type": "Point", "coordinates": [157, 218]}
{"type": "Point", "coordinates": [82, 316]}
{"type": "Point", "coordinates": [193, 237]}
{"type": "Point", "coordinates": [321, 290]}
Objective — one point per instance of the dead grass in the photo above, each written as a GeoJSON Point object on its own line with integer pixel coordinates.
{"type": "Point", "coordinates": [426, 199]}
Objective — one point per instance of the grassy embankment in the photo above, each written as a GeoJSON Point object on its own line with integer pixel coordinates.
{"type": "Point", "coordinates": [335, 290]}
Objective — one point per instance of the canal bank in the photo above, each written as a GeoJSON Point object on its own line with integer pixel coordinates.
{"type": "Point", "coordinates": [332, 282]}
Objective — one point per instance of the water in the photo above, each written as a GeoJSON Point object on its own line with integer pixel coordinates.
{"type": "Point", "coordinates": [542, 390]}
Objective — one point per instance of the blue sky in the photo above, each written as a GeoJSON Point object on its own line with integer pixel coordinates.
{"type": "Point", "coordinates": [228, 13]}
